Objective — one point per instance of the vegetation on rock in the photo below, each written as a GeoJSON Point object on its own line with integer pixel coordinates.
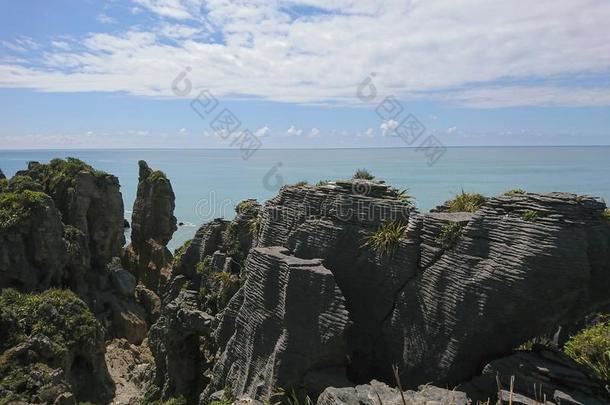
{"type": "Point", "coordinates": [363, 174]}
{"type": "Point", "coordinates": [21, 183]}
{"type": "Point", "coordinates": [244, 206]}
{"type": "Point", "coordinates": [466, 202]}
{"type": "Point", "coordinates": [157, 175]}
{"type": "Point", "coordinates": [203, 266]}
{"type": "Point", "coordinates": [386, 238]}
{"type": "Point", "coordinates": [255, 225]}
{"type": "Point", "coordinates": [323, 183]}
{"type": "Point", "coordinates": [58, 314]}
{"type": "Point", "coordinates": [17, 206]}
{"type": "Point", "coordinates": [450, 233]}
{"type": "Point", "coordinates": [405, 197]}
{"type": "Point", "coordinates": [178, 253]}
{"type": "Point", "coordinates": [606, 214]}
{"type": "Point", "coordinates": [515, 191]}
{"type": "Point", "coordinates": [301, 183]}
{"type": "Point", "coordinates": [530, 215]}
{"type": "Point", "coordinates": [60, 171]}
{"type": "Point", "coordinates": [591, 347]}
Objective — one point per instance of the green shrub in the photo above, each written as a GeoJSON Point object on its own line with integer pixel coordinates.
{"type": "Point", "coordinates": [301, 183]}
{"type": "Point", "coordinates": [323, 183]}
{"type": "Point", "coordinates": [17, 206]}
{"type": "Point", "coordinates": [255, 225]}
{"type": "Point", "coordinates": [58, 314]}
{"type": "Point", "coordinates": [225, 278]}
{"type": "Point", "coordinates": [606, 214]}
{"type": "Point", "coordinates": [363, 174]}
{"type": "Point", "coordinates": [386, 238]}
{"type": "Point", "coordinates": [515, 191]}
{"type": "Point", "coordinates": [591, 347]}
{"type": "Point", "coordinates": [450, 233]}
{"type": "Point", "coordinates": [21, 183]}
{"type": "Point", "coordinates": [203, 266]}
{"type": "Point", "coordinates": [529, 215]}
{"type": "Point", "coordinates": [466, 202]}
{"type": "Point", "coordinates": [244, 206]}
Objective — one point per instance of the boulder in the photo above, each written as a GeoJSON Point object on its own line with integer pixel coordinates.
{"type": "Point", "coordinates": [377, 393]}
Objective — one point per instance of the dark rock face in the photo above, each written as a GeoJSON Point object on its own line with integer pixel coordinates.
{"type": "Point", "coordinates": [152, 225]}
{"type": "Point", "coordinates": [2, 176]}
{"type": "Point", "coordinates": [88, 200]}
{"type": "Point", "coordinates": [462, 308]}
{"type": "Point", "coordinates": [555, 377]}
{"type": "Point", "coordinates": [377, 392]}
{"type": "Point", "coordinates": [32, 251]}
{"type": "Point", "coordinates": [283, 330]}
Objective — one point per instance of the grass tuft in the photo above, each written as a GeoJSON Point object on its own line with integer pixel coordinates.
{"type": "Point", "coordinates": [606, 214]}
{"type": "Point", "coordinates": [244, 206]}
{"type": "Point", "coordinates": [591, 348]}
{"type": "Point", "coordinates": [386, 238]}
{"type": "Point", "coordinates": [323, 183]}
{"type": "Point", "coordinates": [363, 174]}
{"type": "Point", "coordinates": [466, 202]}
{"type": "Point", "coordinates": [301, 183]}
{"type": "Point", "coordinates": [255, 225]}
{"type": "Point", "coordinates": [405, 197]}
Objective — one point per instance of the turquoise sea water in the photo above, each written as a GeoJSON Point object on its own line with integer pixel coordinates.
{"type": "Point", "coordinates": [208, 183]}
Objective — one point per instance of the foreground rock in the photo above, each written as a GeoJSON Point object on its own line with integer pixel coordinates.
{"type": "Point", "coordinates": [130, 368]}
{"type": "Point", "coordinates": [537, 375]}
{"type": "Point", "coordinates": [53, 350]}
{"type": "Point", "coordinates": [377, 393]}
{"type": "Point", "coordinates": [152, 225]}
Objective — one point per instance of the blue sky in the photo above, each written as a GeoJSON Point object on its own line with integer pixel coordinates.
{"type": "Point", "coordinates": [99, 74]}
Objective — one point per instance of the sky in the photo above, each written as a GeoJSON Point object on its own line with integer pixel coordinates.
{"type": "Point", "coordinates": [310, 73]}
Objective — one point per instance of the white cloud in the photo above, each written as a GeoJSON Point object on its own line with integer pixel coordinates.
{"type": "Point", "coordinates": [439, 49]}
{"type": "Point", "coordinates": [182, 131]}
{"type": "Point", "coordinates": [21, 44]}
{"type": "Point", "coordinates": [314, 133]}
{"type": "Point", "coordinates": [370, 133]}
{"type": "Point", "coordinates": [105, 19]}
{"type": "Point", "coordinates": [292, 131]}
{"type": "Point", "coordinates": [451, 130]}
{"type": "Point", "coordinates": [167, 8]}
{"type": "Point", "coordinates": [387, 127]}
{"type": "Point", "coordinates": [262, 132]}
{"type": "Point", "coordinates": [63, 45]}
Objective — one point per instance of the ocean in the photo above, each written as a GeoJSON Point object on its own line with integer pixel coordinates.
{"type": "Point", "coordinates": [208, 183]}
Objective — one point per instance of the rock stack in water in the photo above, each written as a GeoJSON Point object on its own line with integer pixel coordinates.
{"type": "Point", "coordinates": [152, 225]}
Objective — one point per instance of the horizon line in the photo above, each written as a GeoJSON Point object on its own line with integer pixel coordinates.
{"type": "Point", "coordinates": [297, 148]}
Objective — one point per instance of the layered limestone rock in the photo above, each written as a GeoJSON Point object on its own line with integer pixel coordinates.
{"type": "Point", "coordinates": [152, 225]}
{"type": "Point", "coordinates": [330, 222]}
{"type": "Point", "coordinates": [290, 325]}
{"type": "Point", "coordinates": [521, 266]}
{"type": "Point", "coordinates": [537, 376]}
{"type": "Point", "coordinates": [205, 275]}
{"type": "Point", "coordinates": [456, 290]}
{"type": "Point", "coordinates": [377, 393]}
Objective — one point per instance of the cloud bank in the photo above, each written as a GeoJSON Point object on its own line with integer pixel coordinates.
{"type": "Point", "coordinates": [475, 53]}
